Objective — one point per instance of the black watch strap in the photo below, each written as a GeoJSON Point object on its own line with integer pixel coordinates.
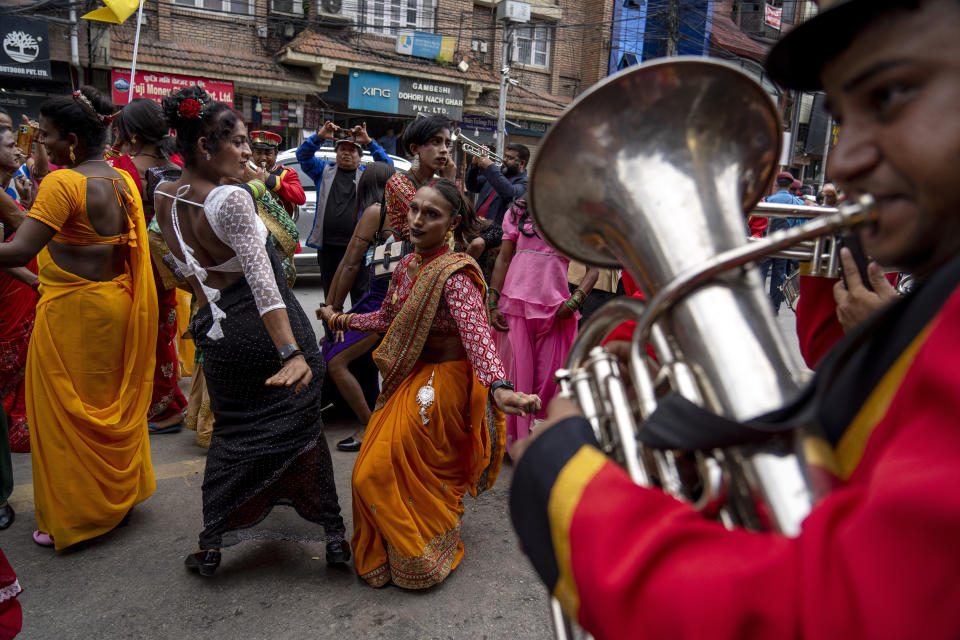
{"type": "Point", "coordinates": [288, 351]}
{"type": "Point", "coordinates": [501, 384]}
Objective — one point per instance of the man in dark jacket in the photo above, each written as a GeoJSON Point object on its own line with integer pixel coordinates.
{"type": "Point", "coordinates": [497, 186]}
{"type": "Point", "coordinates": [336, 215]}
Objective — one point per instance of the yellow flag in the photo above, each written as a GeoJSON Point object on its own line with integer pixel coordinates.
{"type": "Point", "coordinates": [116, 11]}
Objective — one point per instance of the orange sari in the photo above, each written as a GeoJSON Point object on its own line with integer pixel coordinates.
{"type": "Point", "coordinates": [410, 478]}
{"type": "Point", "coordinates": [90, 372]}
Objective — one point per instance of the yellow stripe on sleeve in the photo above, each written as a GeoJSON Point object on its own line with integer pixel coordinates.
{"type": "Point", "coordinates": [854, 441]}
{"type": "Point", "coordinates": [564, 497]}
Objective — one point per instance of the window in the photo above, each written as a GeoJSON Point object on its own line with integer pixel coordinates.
{"type": "Point", "coordinates": [243, 7]}
{"type": "Point", "coordinates": [390, 16]}
{"type": "Point", "coordinates": [531, 46]}
{"type": "Point", "coordinates": [287, 7]}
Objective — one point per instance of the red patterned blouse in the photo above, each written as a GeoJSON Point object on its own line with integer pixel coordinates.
{"type": "Point", "coordinates": [461, 312]}
{"type": "Point", "coordinates": [398, 195]}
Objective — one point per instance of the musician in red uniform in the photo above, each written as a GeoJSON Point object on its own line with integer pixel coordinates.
{"type": "Point", "coordinates": [878, 556]}
{"type": "Point", "coordinates": [282, 182]}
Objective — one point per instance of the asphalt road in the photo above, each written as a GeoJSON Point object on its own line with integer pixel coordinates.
{"type": "Point", "coordinates": [131, 583]}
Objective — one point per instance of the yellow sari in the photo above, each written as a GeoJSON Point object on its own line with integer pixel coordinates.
{"type": "Point", "coordinates": [90, 373]}
{"type": "Point", "coordinates": [410, 478]}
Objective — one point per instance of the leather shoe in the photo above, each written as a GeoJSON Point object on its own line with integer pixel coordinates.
{"type": "Point", "coordinates": [6, 516]}
{"type": "Point", "coordinates": [338, 552]}
{"type": "Point", "coordinates": [203, 562]}
{"type": "Point", "coordinates": [349, 444]}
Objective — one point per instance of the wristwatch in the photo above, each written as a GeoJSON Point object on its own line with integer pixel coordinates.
{"type": "Point", "coordinates": [288, 351]}
{"type": "Point", "coordinates": [498, 384]}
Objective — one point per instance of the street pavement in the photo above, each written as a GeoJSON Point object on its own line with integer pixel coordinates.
{"type": "Point", "coordinates": [131, 583]}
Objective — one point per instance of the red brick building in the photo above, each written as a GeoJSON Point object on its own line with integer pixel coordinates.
{"type": "Point", "coordinates": [290, 64]}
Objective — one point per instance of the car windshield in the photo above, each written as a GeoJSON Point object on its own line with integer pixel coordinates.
{"type": "Point", "coordinates": [305, 180]}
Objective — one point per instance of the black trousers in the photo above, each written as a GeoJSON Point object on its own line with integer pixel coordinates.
{"type": "Point", "coordinates": [329, 259]}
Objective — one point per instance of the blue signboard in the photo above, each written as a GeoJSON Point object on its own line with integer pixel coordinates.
{"type": "Point", "coordinates": [426, 45]}
{"type": "Point", "coordinates": [371, 91]}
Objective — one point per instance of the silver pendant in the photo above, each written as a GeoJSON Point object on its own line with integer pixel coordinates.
{"type": "Point", "coordinates": [425, 398]}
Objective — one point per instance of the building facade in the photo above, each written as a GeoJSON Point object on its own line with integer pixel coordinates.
{"type": "Point", "coordinates": [289, 65]}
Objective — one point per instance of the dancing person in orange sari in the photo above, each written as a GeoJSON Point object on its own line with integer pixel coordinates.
{"type": "Point", "coordinates": [437, 431]}
{"type": "Point", "coordinates": [90, 362]}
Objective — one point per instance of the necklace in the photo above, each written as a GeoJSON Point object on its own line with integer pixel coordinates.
{"type": "Point", "coordinates": [149, 155]}
{"type": "Point", "coordinates": [420, 259]}
{"type": "Point", "coordinates": [430, 255]}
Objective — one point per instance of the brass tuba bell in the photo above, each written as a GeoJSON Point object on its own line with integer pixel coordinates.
{"type": "Point", "coordinates": [669, 156]}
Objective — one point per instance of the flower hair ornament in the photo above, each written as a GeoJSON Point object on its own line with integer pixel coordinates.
{"type": "Point", "coordinates": [87, 106]}
{"type": "Point", "coordinates": [190, 108]}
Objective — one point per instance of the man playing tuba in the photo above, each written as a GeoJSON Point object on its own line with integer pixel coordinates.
{"type": "Point", "coordinates": [877, 557]}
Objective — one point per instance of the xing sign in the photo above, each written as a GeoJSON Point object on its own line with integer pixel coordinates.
{"type": "Point", "coordinates": [386, 93]}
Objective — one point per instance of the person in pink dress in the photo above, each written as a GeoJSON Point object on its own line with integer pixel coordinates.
{"type": "Point", "coordinates": [533, 312]}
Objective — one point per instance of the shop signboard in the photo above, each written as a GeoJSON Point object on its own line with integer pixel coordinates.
{"type": "Point", "coordinates": [26, 48]}
{"type": "Point", "coordinates": [155, 85]}
{"type": "Point", "coordinates": [527, 128]}
{"type": "Point", "coordinates": [773, 16]}
{"type": "Point", "coordinates": [472, 122]}
{"type": "Point", "coordinates": [426, 45]}
{"type": "Point", "coordinates": [385, 93]}
{"type": "Point", "coordinates": [17, 103]}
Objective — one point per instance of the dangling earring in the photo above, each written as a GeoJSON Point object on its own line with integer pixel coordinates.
{"type": "Point", "coordinates": [415, 165]}
{"type": "Point", "coordinates": [449, 238]}
{"type": "Point", "coordinates": [207, 157]}
{"type": "Point", "coordinates": [73, 157]}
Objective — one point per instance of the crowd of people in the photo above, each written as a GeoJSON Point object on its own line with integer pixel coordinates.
{"type": "Point", "coordinates": [446, 353]}
{"type": "Point", "coordinates": [127, 208]}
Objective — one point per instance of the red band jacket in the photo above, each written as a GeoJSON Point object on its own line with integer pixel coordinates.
{"type": "Point", "coordinates": [877, 557]}
{"type": "Point", "coordinates": [285, 185]}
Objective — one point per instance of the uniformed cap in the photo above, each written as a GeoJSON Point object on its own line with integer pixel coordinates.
{"type": "Point", "coordinates": [798, 58]}
{"type": "Point", "coordinates": [264, 140]}
{"type": "Point", "coordinates": [784, 175]}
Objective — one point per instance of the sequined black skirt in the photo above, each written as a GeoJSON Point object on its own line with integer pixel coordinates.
{"type": "Point", "coordinates": [268, 446]}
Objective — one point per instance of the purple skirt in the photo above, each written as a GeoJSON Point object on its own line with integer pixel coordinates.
{"type": "Point", "coordinates": [371, 301]}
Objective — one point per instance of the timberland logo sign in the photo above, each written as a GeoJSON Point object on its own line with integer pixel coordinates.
{"type": "Point", "coordinates": [21, 46]}
{"type": "Point", "coordinates": [26, 48]}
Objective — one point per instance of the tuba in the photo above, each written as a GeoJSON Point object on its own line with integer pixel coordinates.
{"type": "Point", "coordinates": [670, 156]}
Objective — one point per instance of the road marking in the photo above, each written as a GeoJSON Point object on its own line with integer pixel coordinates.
{"type": "Point", "coordinates": [22, 497]}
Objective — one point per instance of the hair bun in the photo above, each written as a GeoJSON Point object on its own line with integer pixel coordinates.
{"type": "Point", "coordinates": [185, 105]}
{"type": "Point", "coordinates": [101, 104]}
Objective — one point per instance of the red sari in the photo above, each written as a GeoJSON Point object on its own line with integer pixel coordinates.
{"type": "Point", "coordinates": [167, 398]}
{"type": "Point", "coordinates": [18, 303]}
{"type": "Point", "coordinates": [11, 617]}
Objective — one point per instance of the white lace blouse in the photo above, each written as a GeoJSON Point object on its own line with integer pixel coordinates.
{"type": "Point", "coordinates": [230, 211]}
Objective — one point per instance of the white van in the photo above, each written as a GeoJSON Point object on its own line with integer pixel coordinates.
{"type": "Point", "coordinates": [307, 261]}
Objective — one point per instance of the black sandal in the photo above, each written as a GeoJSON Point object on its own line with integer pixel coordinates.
{"type": "Point", "coordinates": [349, 444]}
